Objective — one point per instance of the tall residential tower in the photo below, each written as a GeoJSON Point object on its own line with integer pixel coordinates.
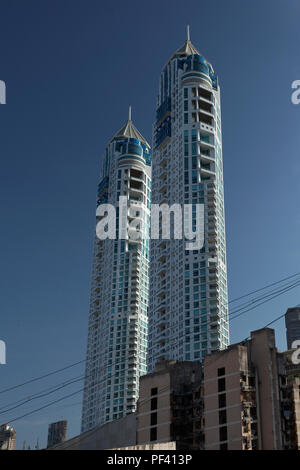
{"type": "Point", "coordinates": [188, 315]}
{"type": "Point", "coordinates": [118, 327]}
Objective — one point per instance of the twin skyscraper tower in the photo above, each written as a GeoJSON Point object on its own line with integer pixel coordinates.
{"type": "Point", "coordinates": [152, 299]}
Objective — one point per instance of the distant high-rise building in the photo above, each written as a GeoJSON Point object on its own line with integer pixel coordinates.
{"type": "Point", "coordinates": [188, 303]}
{"type": "Point", "coordinates": [118, 323]}
{"type": "Point", "coordinates": [7, 437]}
{"type": "Point", "coordinates": [292, 323]}
{"type": "Point", "coordinates": [57, 433]}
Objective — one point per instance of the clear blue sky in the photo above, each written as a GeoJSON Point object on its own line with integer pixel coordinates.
{"type": "Point", "coordinates": [71, 69]}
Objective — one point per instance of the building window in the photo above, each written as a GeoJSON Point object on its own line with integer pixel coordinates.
{"type": "Point", "coordinates": [223, 433]}
{"type": "Point", "coordinates": [153, 434]}
{"type": "Point", "coordinates": [221, 371]}
{"type": "Point", "coordinates": [153, 419]}
{"type": "Point", "coordinates": [224, 446]}
{"type": "Point", "coordinates": [153, 391]}
{"type": "Point", "coordinates": [222, 417]}
{"type": "Point", "coordinates": [222, 400]}
{"type": "Point", "coordinates": [221, 385]}
{"type": "Point", "coordinates": [153, 404]}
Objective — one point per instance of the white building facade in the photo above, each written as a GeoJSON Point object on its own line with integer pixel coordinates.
{"type": "Point", "coordinates": [188, 303]}
{"type": "Point", "coordinates": [118, 326]}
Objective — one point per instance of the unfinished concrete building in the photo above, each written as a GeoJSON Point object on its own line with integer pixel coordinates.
{"type": "Point", "coordinates": [170, 406]}
{"type": "Point", "coordinates": [249, 402]}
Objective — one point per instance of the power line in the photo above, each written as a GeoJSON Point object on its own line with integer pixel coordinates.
{"type": "Point", "coordinates": [88, 434]}
{"type": "Point", "coordinates": [260, 297]}
{"type": "Point", "coordinates": [97, 383]}
{"type": "Point", "coordinates": [41, 377]}
{"type": "Point", "coordinates": [83, 437]}
{"type": "Point", "coordinates": [273, 321]}
{"type": "Point", "coordinates": [270, 323]}
{"type": "Point", "coordinates": [84, 360]}
{"type": "Point", "coordinates": [66, 396]}
{"type": "Point", "coordinates": [29, 396]}
{"type": "Point", "coordinates": [52, 389]}
{"type": "Point", "coordinates": [283, 291]}
{"type": "Point", "coordinates": [263, 288]}
{"type": "Point", "coordinates": [264, 299]}
{"type": "Point", "coordinates": [278, 292]}
{"type": "Point", "coordinates": [45, 406]}
{"type": "Point", "coordinates": [41, 395]}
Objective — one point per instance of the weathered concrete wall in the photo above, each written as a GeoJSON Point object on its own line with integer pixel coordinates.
{"type": "Point", "coordinates": [118, 433]}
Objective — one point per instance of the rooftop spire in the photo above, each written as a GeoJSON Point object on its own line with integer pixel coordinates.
{"type": "Point", "coordinates": [187, 48]}
{"type": "Point", "coordinates": [188, 38]}
{"type": "Point", "coordinates": [129, 130]}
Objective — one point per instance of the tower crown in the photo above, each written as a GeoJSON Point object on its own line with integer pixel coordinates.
{"type": "Point", "coordinates": [129, 131]}
{"type": "Point", "coordinates": [187, 48]}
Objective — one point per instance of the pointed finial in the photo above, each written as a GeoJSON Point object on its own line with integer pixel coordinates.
{"type": "Point", "coordinates": [129, 113]}
{"type": "Point", "coordinates": [188, 32]}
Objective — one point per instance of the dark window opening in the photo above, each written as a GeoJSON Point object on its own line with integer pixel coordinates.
{"type": "Point", "coordinates": [153, 420]}
{"type": "Point", "coordinates": [223, 433]}
{"type": "Point", "coordinates": [153, 404]}
{"type": "Point", "coordinates": [153, 434]}
{"type": "Point", "coordinates": [222, 417]}
{"type": "Point", "coordinates": [222, 400]}
{"type": "Point", "coordinates": [221, 385]}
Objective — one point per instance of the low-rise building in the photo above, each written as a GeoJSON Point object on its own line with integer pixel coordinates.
{"type": "Point", "coordinates": [170, 406]}
{"type": "Point", "coordinates": [7, 437]}
{"type": "Point", "coordinates": [248, 397]}
{"type": "Point", "coordinates": [245, 397]}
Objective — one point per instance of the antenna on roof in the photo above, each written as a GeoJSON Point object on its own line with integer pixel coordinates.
{"type": "Point", "coordinates": [129, 113]}
{"type": "Point", "coordinates": [188, 32]}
